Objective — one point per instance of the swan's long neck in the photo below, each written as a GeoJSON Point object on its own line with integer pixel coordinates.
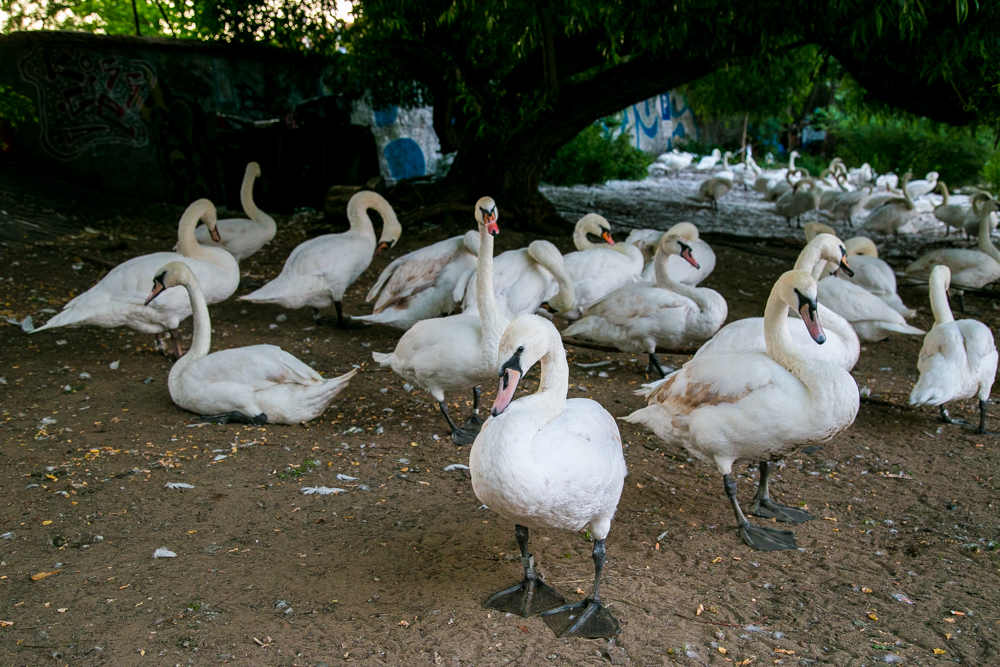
{"type": "Point", "coordinates": [493, 323]}
{"type": "Point", "coordinates": [725, 161]}
{"type": "Point", "coordinates": [554, 382]}
{"type": "Point", "coordinates": [939, 300]}
{"type": "Point", "coordinates": [791, 163]}
{"type": "Point", "coordinates": [664, 281]}
{"type": "Point", "coordinates": [985, 232]}
{"type": "Point", "coordinates": [780, 346]}
{"type": "Point", "coordinates": [548, 256]}
{"type": "Point", "coordinates": [187, 242]}
{"type": "Point", "coordinates": [201, 341]}
{"type": "Point", "coordinates": [906, 195]}
{"type": "Point", "coordinates": [250, 206]}
{"type": "Point", "coordinates": [357, 215]}
{"type": "Point", "coordinates": [944, 193]}
{"type": "Point", "coordinates": [580, 240]}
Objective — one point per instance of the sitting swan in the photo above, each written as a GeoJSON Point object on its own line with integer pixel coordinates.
{"type": "Point", "coordinates": [842, 346]}
{"type": "Point", "coordinates": [248, 385]}
{"type": "Point", "coordinates": [679, 269]}
{"type": "Point", "coordinates": [543, 461]}
{"type": "Point", "coordinates": [958, 359]}
{"type": "Point", "coordinates": [640, 317]}
{"type": "Point", "coordinates": [320, 270]}
{"type": "Point", "coordinates": [421, 284]}
{"type": "Point", "coordinates": [709, 161]}
{"type": "Point", "coordinates": [870, 316]}
{"type": "Point", "coordinates": [457, 352]}
{"type": "Point", "coordinates": [599, 266]}
{"type": "Point", "coordinates": [889, 216]}
{"type": "Point", "coordinates": [241, 237]}
{"type": "Point", "coordinates": [969, 268]}
{"type": "Point", "coordinates": [118, 300]}
{"type": "Point", "coordinates": [756, 406]}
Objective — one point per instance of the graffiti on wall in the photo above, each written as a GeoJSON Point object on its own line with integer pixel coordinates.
{"type": "Point", "coordinates": [87, 99]}
{"type": "Point", "coordinates": [407, 145]}
{"type": "Point", "coordinates": [655, 123]}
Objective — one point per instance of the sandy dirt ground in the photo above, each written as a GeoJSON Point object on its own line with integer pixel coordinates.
{"type": "Point", "coordinates": [899, 567]}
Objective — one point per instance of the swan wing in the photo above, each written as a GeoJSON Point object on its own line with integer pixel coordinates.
{"type": "Point", "coordinates": [414, 272]}
{"type": "Point", "coordinates": [256, 367]}
{"type": "Point", "coordinates": [854, 303]}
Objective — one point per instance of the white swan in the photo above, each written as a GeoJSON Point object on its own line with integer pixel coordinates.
{"type": "Point", "coordinates": [678, 268]}
{"type": "Point", "coordinates": [523, 280]}
{"type": "Point", "coordinates": [924, 186]}
{"type": "Point", "coordinates": [709, 161]}
{"type": "Point", "coordinates": [842, 346]}
{"type": "Point", "coordinates": [780, 186]}
{"type": "Point", "coordinates": [241, 237]}
{"type": "Point", "coordinates": [952, 215]}
{"type": "Point", "coordinates": [458, 352]}
{"type": "Point", "coordinates": [768, 178]}
{"type": "Point", "coordinates": [972, 214]}
{"type": "Point", "coordinates": [888, 217]}
{"type": "Point", "coordinates": [802, 198]}
{"type": "Point", "coordinates": [886, 181]}
{"type": "Point", "coordinates": [674, 161]}
{"type": "Point", "coordinates": [319, 271]}
{"type": "Point", "coordinates": [641, 317]}
{"type": "Point", "coordinates": [858, 176]}
{"type": "Point", "coordinates": [119, 298]}
{"type": "Point", "coordinates": [969, 268]}
{"type": "Point", "coordinates": [543, 461]}
{"type": "Point", "coordinates": [726, 171]}
{"type": "Point", "coordinates": [258, 384]}
{"type": "Point", "coordinates": [958, 360]}
{"type": "Point", "coordinates": [599, 266]}
{"type": "Point", "coordinates": [848, 204]}
{"type": "Point", "coordinates": [421, 284]}
{"type": "Point", "coordinates": [870, 316]}
{"type": "Point", "coordinates": [711, 190]}
{"type": "Point", "coordinates": [749, 405]}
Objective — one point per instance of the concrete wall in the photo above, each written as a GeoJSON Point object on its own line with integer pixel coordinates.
{"type": "Point", "coordinates": [658, 122]}
{"type": "Point", "coordinates": [408, 146]}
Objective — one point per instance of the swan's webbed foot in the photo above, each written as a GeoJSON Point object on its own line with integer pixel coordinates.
{"type": "Point", "coordinates": [757, 537]}
{"type": "Point", "coordinates": [460, 436]}
{"type": "Point", "coordinates": [587, 619]}
{"type": "Point", "coordinates": [160, 345]}
{"type": "Point", "coordinates": [948, 419]}
{"type": "Point", "coordinates": [175, 339]}
{"type": "Point", "coordinates": [765, 507]}
{"type": "Point", "coordinates": [531, 596]}
{"type": "Point", "coordinates": [341, 322]}
{"type": "Point", "coordinates": [474, 423]}
{"type": "Point", "coordinates": [654, 366]}
{"type": "Point", "coordinates": [235, 418]}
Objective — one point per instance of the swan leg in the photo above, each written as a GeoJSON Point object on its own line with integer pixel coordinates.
{"type": "Point", "coordinates": [981, 429]}
{"type": "Point", "coordinates": [654, 366]}
{"type": "Point", "coordinates": [948, 419]}
{"type": "Point", "coordinates": [765, 507]}
{"type": "Point", "coordinates": [588, 618]}
{"type": "Point", "coordinates": [474, 423]}
{"type": "Point", "coordinates": [341, 322]}
{"type": "Point", "coordinates": [531, 596]}
{"type": "Point", "coordinates": [160, 346]}
{"type": "Point", "coordinates": [757, 537]}
{"type": "Point", "coordinates": [458, 436]}
{"type": "Point", "coordinates": [235, 418]}
{"type": "Point", "coordinates": [175, 338]}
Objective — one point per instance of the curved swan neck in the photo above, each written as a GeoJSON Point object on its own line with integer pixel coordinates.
{"type": "Point", "coordinates": [780, 346]}
{"type": "Point", "coordinates": [791, 161]}
{"type": "Point", "coordinates": [250, 206]}
{"type": "Point", "coordinates": [357, 215]}
{"type": "Point", "coordinates": [187, 242]}
{"type": "Point", "coordinates": [985, 233]}
{"type": "Point", "coordinates": [554, 382]}
{"type": "Point", "coordinates": [664, 281]}
{"type": "Point", "coordinates": [939, 300]}
{"type": "Point", "coordinates": [944, 192]}
{"type": "Point", "coordinates": [580, 240]}
{"type": "Point", "coordinates": [201, 341]}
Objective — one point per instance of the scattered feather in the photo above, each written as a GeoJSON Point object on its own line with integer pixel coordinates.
{"type": "Point", "coordinates": [220, 457]}
{"type": "Point", "coordinates": [163, 552]}
{"type": "Point", "coordinates": [114, 365]}
{"type": "Point", "coordinates": [321, 490]}
{"type": "Point", "coordinates": [8, 536]}
{"type": "Point", "coordinates": [455, 466]}
{"type": "Point", "coordinates": [346, 478]}
{"type": "Point", "coordinates": [179, 485]}
{"type": "Point", "coordinates": [595, 364]}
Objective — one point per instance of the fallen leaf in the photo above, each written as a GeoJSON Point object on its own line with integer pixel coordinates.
{"type": "Point", "coordinates": [723, 651]}
{"type": "Point", "coordinates": [948, 620]}
{"type": "Point", "coordinates": [524, 629]}
{"type": "Point", "coordinates": [42, 575]}
{"type": "Point", "coordinates": [639, 486]}
{"type": "Point", "coordinates": [829, 518]}
{"type": "Point", "coordinates": [46, 523]}
{"type": "Point", "coordinates": [873, 617]}
{"type": "Point", "coordinates": [404, 624]}
{"type": "Point", "coordinates": [866, 590]}
{"type": "Point", "coordinates": [939, 651]}
{"type": "Point", "coordinates": [701, 608]}
{"type": "Point", "coordinates": [784, 651]}
{"type": "Point", "coordinates": [142, 652]}
{"type": "Point", "coordinates": [6, 624]}
{"type": "Point", "coordinates": [947, 635]}
{"type": "Point", "coordinates": [717, 560]}
{"type": "Point", "coordinates": [62, 610]}
{"type": "Point", "coordinates": [580, 591]}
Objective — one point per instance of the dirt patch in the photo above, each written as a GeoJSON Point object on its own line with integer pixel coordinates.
{"type": "Point", "coordinates": [900, 561]}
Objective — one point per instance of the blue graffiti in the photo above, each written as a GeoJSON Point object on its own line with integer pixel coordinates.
{"type": "Point", "coordinates": [386, 117]}
{"type": "Point", "coordinates": [665, 106]}
{"type": "Point", "coordinates": [405, 159]}
{"type": "Point", "coordinates": [649, 131]}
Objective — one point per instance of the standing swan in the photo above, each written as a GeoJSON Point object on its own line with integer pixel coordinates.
{"type": "Point", "coordinates": [889, 216]}
{"type": "Point", "coordinates": [958, 359]}
{"type": "Point", "coordinates": [118, 300]}
{"type": "Point", "coordinates": [241, 237]}
{"type": "Point", "coordinates": [543, 461]}
{"type": "Point", "coordinates": [749, 405]}
{"type": "Point", "coordinates": [320, 270]}
{"type": "Point", "coordinates": [247, 385]}
{"type": "Point", "coordinates": [458, 352]}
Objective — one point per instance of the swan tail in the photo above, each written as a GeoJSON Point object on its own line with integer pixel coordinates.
{"type": "Point", "coordinates": [897, 304]}
{"type": "Point", "coordinates": [390, 318]}
{"type": "Point", "coordinates": [384, 358]}
{"type": "Point", "coordinates": [902, 329]}
{"type": "Point", "coordinates": [271, 292]}
{"type": "Point", "coordinates": [923, 395]}
{"type": "Point", "coordinates": [66, 318]}
{"type": "Point", "coordinates": [334, 386]}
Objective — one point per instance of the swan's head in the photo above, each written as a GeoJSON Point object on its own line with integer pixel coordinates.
{"type": "Point", "coordinates": [940, 275]}
{"type": "Point", "coordinates": [253, 170]}
{"type": "Point", "coordinates": [486, 215]}
{"type": "Point", "coordinates": [716, 153]}
{"type": "Point", "coordinates": [931, 176]}
{"type": "Point", "coordinates": [595, 229]}
{"type": "Point", "coordinates": [798, 289]}
{"type": "Point", "coordinates": [828, 247]}
{"type": "Point", "coordinates": [170, 275]}
{"type": "Point", "coordinates": [678, 240]}
{"type": "Point", "coordinates": [814, 229]}
{"type": "Point", "coordinates": [861, 245]}
{"type": "Point", "coordinates": [525, 341]}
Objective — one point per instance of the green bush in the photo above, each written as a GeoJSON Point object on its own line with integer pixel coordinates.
{"type": "Point", "coordinates": [593, 156]}
{"type": "Point", "coordinates": [15, 108]}
{"type": "Point", "coordinates": [991, 174]}
{"type": "Point", "coordinates": [956, 154]}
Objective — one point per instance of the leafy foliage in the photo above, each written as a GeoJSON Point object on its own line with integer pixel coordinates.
{"type": "Point", "coordinates": [595, 156]}
{"type": "Point", "coordinates": [15, 108]}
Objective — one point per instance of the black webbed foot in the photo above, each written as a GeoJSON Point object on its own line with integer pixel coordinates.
{"type": "Point", "coordinates": [769, 509]}
{"type": "Point", "coordinates": [464, 436]}
{"type": "Point", "coordinates": [587, 619]}
{"type": "Point", "coordinates": [235, 418]}
{"type": "Point", "coordinates": [767, 539]}
{"type": "Point", "coordinates": [530, 597]}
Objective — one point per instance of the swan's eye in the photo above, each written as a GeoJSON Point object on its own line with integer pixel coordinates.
{"type": "Point", "coordinates": [520, 349]}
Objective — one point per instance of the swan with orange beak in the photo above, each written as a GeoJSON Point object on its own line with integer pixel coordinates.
{"type": "Point", "coordinates": [545, 461]}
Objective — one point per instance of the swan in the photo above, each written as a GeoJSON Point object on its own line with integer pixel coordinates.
{"type": "Point", "coordinates": [958, 359]}
{"type": "Point", "coordinates": [870, 316]}
{"type": "Point", "coordinates": [677, 268]}
{"type": "Point", "coordinates": [709, 161]}
{"type": "Point", "coordinates": [524, 280]}
{"type": "Point", "coordinates": [842, 346]}
{"type": "Point", "coordinates": [882, 196]}
{"type": "Point", "coordinates": [858, 176]}
{"type": "Point", "coordinates": [923, 186]}
{"type": "Point", "coordinates": [257, 385]}
{"type": "Point", "coordinates": [891, 215]}
{"type": "Point", "coordinates": [545, 461]}
{"type": "Point", "coordinates": [726, 171]}
{"type": "Point", "coordinates": [952, 215]}
{"type": "Point", "coordinates": [241, 237]}
{"type": "Point", "coordinates": [640, 317]}
{"type": "Point", "coordinates": [972, 214]}
{"type": "Point", "coordinates": [421, 284]}
{"type": "Point", "coordinates": [969, 268]}
{"type": "Point", "coordinates": [798, 201]}
{"type": "Point", "coordinates": [887, 181]}
{"type": "Point", "coordinates": [320, 270]}
{"type": "Point", "coordinates": [830, 194]}
{"type": "Point", "coordinates": [847, 204]}
{"type": "Point", "coordinates": [599, 265]}
{"type": "Point", "coordinates": [674, 161]}
{"type": "Point", "coordinates": [756, 406]}
{"type": "Point", "coordinates": [767, 179]}
{"type": "Point", "coordinates": [874, 274]}
{"type": "Point", "coordinates": [711, 190]}
{"type": "Point", "coordinates": [780, 187]}
{"type": "Point", "coordinates": [747, 172]}
{"type": "Point", "coordinates": [458, 352]}
{"type": "Point", "coordinates": [119, 298]}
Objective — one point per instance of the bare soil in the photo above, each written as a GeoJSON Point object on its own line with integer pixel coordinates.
{"type": "Point", "coordinates": [900, 565]}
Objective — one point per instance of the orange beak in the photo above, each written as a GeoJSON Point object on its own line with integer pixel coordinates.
{"type": "Point", "coordinates": [606, 235]}
{"type": "Point", "coordinates": [158, 287]}
{"type": "Point", "coordinates": [214, 233]}
{"type": "Point", "coordinates": [381, 246]}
